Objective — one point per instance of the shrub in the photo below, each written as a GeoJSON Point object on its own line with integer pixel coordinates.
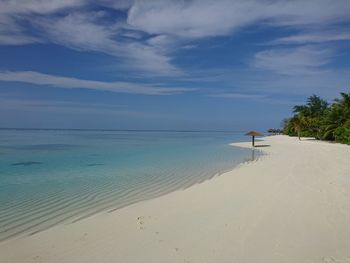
{"type": "Point", "coordinates": [342, 133]}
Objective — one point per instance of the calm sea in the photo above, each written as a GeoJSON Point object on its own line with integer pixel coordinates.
{"type": "Point", "coordinates": [53, 176]}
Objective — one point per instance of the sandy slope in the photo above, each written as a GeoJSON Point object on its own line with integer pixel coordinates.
{"type": "Point", "coordinates": [293, 205]}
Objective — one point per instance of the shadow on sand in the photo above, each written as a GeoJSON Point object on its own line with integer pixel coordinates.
{"type": "Point", "coordinates": [262, 145]}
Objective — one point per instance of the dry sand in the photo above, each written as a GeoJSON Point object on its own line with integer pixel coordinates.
{"type": "Point", "coordinates": [292, 205]}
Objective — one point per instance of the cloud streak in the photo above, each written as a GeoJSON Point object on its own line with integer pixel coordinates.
{"type": "Point", "coordinates": [38, 78]}
{"type": "Point", "coordinates": [37, 6]}
{"type": "Point", "coordinates": [239, 96]}
{"type": "Point", "coordinates": [312, 37]}
{"type": "Point", "coordinates": [293, 61]}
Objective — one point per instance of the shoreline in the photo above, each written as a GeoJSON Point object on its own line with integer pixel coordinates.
{"type": "Point", "coordinates": [144, 195]}
{"type": "Point", "coordinates": [292, 206]}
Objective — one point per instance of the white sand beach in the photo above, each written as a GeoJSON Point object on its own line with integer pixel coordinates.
{"type": "Point", "coordinates": [291, 205]}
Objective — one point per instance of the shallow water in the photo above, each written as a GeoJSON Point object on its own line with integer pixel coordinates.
{"type": "Point", "coordinates": [53, 176]}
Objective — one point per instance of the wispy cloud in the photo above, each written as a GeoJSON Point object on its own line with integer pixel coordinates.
{"type": "Point", "coordinates": [83, 31]}
{"type": "Point", "coordinates": [12, 38]}
{"type": "Point", "coordinates": [68, 82]}
{"type": "Point", "coordinates": [13, 34]}
{"type": "Point", "coordinates": [72, 107]}
{"type": "Point", "coordinates": [14, 15]}
{"type": "Point", "coordinates": [230, 95]}
{"type": "Point", "coordinates": [86, 32]}
{"type": "Point", "coordinates": [37, 6]}
{"type": "Point", "coordinates": [204, 18]}
{"type": "Point", "coordinates": [314, 37]}
{"type": "Point", "coordinates": [152, 31]}
{"type": "Point", "coordinates": [293, 61]}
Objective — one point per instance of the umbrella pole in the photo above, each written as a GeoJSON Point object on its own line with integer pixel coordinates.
{"type": "Point", "coordinates": [253, 142]}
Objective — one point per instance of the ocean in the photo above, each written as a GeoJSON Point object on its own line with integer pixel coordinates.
{"type": "Point", "coordinates": [49, 177]}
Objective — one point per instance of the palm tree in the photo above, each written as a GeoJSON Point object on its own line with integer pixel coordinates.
{"type": "Point", "coordinates": [314, 107]}
{"type": "Point", "coordinates": [335, 117]}
{"type": "Point", "coordinates": [344, 102]}
{"type": "Point", "coordinates": [299, 123]}
{"type": "Point", "coordinates": [313, 112]}
{"type": "Point", "coordinates": [318, 119]}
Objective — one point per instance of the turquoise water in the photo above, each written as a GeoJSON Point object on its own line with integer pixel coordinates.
{"type": "Point", "coordinates": [53, 176]}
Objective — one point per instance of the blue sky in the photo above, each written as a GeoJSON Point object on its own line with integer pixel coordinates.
{"type": "Point", "coordinates": [191, 65]}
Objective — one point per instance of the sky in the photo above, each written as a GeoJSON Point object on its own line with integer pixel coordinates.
{"type": "Point", "coordinates": [174, 65]}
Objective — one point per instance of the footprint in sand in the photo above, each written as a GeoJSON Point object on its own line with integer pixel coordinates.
{"type": "Point", "coordinates": [140, 222]}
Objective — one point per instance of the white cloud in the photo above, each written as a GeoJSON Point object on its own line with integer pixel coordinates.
{"type": "Point", "coordinates": [146, 40]}
{"type": "Point", "coordinates": [230, 95]}
{"type": "Point", "coordinates": [37, 6]}
{"type": "Point", "coordinates": [14, 15]}
{"type": "Point", "coordinates": [132, 34]}
{"type": "Point", "coordinates": [67, 82]}
{"type": "Point", "coordinates": [78, 31]}
{"type": "Point", "coordinates": [13, 34]}
{"type": "Point", "coordinates": [82, 31]}
{"type": "Point", "coordinates": [315, 37]}
{"type": "Point", "coordinates": [293, 61]}
{"type": "Point", "coordinates": [18, 39]}
{"type": "Point", "coordinates": [205, 18]}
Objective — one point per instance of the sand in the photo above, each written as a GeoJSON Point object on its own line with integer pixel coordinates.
{"type": "Point", "coordinates": [291, 205]}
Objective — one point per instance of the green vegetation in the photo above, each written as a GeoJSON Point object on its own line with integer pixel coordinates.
{"type": "Point", "coordinates": [275, 131]}
{"type": "Point", "coordinates": [321, 120]}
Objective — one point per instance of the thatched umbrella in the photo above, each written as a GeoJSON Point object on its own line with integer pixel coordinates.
{"type": "Point", "coordinates": [253, 134]}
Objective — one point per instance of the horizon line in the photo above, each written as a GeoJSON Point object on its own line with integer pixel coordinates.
{"type": "Point", "coordinates": [131, 130]}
